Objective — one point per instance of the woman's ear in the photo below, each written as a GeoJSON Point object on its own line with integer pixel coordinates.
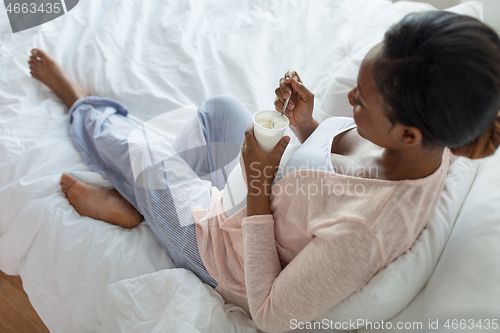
{"type": "Point", "coordinates": [411, 136]}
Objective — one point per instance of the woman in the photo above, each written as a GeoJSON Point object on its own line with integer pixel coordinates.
{"type": "Point", "coordinates": [329, 223]}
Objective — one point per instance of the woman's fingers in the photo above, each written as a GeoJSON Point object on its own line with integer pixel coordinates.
{"type": "Point", "coordinates": [250, 140]}
{"type": "Point", "coordinates": [278, 104]}
{"type": "Point", "coordinates": [285, 81]}
{"type": "Point", "coordinates": [285, 88]}
{"type": "Point", "coordinates": [279, 94]}
{"type": "Point", "coordinates": [305, 94]}
{"type": "Point", "coordinates": [249, 130]}
{"type": "Point", "coordinates": [282, 92]}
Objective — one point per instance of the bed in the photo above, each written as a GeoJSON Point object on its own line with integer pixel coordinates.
{"type": "Point", "coordinates": [162, 59]}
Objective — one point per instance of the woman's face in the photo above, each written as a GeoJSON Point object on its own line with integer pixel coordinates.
{"type": "Point", "coordinates": [372, 123]}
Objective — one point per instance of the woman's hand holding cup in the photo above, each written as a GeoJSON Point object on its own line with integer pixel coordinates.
{"type": "Point", "coordinates": [260, 166]}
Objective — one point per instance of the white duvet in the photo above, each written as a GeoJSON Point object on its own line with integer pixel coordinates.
{"type": "Point", "coordinates": [154, 56]}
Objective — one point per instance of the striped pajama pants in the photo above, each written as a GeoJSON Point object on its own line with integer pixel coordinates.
{"type": "Point", "coordinates": [163, 182]}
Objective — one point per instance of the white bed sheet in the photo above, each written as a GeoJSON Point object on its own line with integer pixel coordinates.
{"type": "Point", "coordinates": [154, 56]}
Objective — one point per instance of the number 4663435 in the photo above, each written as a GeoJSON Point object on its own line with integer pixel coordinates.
{"type": "Point", "coordinates": [486, 324]}
{"type": "Point", "coordinates": [32, 8]}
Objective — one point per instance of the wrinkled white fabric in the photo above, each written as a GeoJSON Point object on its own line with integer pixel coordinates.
{"type": "Point", "coordinates": [153, 56]}
{"type": "Point", "coordinates": [165, 300]}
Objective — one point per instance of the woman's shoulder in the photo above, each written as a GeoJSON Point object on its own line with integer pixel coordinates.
{"type": "Point", "coordinates": [338, 127]}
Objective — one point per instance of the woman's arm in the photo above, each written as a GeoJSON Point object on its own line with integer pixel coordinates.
{"type": "Point", "coordinates": [258, 205]}
{"type": "Point", "coordinates": [340, 259]}
{"type": "Point", "coordinates": [260, 169]}
{"type": "Point", "coordinates": [304, 130]}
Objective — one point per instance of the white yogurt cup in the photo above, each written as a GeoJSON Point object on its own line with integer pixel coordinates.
{"type": "Point", "coordinates": [266, 136]}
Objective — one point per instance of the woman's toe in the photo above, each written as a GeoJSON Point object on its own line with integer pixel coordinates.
{"type": "Point", "coordinates": [34, 65]}
{"type": "Point", "coordinates": [68, 180]}
{"type": "Point", "coordinates": [36, 60]}
{"type": "Point", "coordinates": [37, 53]}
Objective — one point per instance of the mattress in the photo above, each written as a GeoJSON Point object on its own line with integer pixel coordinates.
{"type": "Point", "coordinates": [159, 58]}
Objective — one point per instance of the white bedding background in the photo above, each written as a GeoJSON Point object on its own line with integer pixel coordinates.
{"type": "Point", "coordinates": [154, 56]}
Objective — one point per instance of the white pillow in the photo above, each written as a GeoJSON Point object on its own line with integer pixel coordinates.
{"type": "Point", "coordinates": [393, 288]}
{"type": "Point", "coordinates": [464, 284]}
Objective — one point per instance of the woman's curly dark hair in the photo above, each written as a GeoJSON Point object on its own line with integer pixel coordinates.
{"type": "Point", "coordinates": [440, 72]}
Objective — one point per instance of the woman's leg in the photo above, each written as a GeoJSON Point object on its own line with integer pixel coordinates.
{"type": "Point", "coordinates": [48, 71]}
{"type": "Point", "coordinates": [88, 200]}
{"type": "Point", "coordinates": [163, 189]}
{"type": "Point", "coordinates": [222, 121]}
{"type": "Point", "coordinates": [170, 188]}
{"type": "Point", "coordinates": [166, 189]}
{"type": "Point", "coordinates": [99, 203]}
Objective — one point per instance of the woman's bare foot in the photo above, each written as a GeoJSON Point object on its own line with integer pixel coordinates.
{"type": "Point", "coordinates": [48, 71]}
{"type": "Point", "coordinates": [99, 203]}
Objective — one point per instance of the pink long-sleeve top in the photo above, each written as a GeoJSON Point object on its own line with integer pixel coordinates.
{"type": "Point", "coordinates": [327, 236]}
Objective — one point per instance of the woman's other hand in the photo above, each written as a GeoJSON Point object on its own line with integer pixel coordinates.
{"type": "Point", "coordinates": [300, 107]}
{"type": "Point", "coordinates": [260, 170]}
